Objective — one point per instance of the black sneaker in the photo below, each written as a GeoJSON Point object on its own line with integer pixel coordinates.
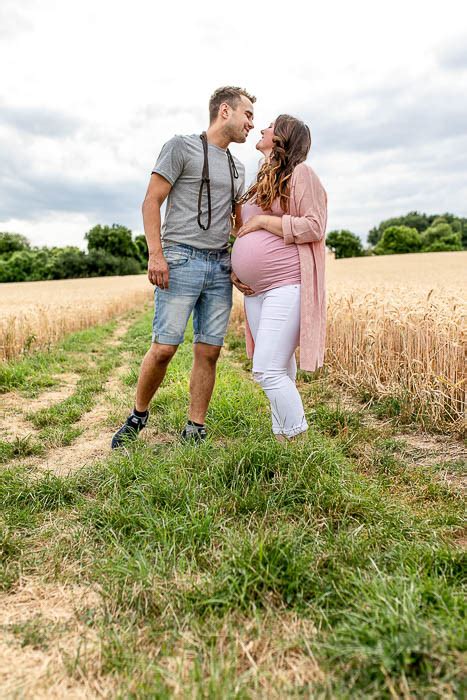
{"type": "Point", "coordinates": [193, 433]}
{"type": "Point", "coordinates": [129, 430]}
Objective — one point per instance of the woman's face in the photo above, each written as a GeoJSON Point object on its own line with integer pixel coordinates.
{"type": "Point", "coordinates": [266, 143]}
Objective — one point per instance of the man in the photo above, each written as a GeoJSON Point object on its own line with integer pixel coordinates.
{"type": "Point", "coordinates": [189, 261]}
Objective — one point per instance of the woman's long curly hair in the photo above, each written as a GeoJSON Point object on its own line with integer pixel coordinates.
{"type": "Point", "coordinates": [292, 143]}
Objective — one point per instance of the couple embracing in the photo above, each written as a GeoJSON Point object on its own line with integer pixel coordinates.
{"type": "Point", "coordinates": [277, 261]}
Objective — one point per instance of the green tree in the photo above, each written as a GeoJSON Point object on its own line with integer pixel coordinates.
{"type": "Point", "coordinates": [413, 219]}
{"type": "Point", "coordinates": [11, 243]}
{"type": "Point", "coordinates": [457, 223]}
{"type": "Point", "coordinates": [142, 246]}
{"type": "Point", "coordinates": [4, 274]}
{"type": "Point", "coordinates": [440, 237]}
{"type": "Point", "coordinates": [399, 239]}
{"type": "Point", "coordinates": [115, 240]}
{"type": "Point", "coordinates": [345, 244]}
{"type": "Point", "coordinates": [65, 263]}
{"type": "Point", "coordinates": [100, 263]}
{"type": "Point", "coordinates": [19, 266]}
{"type": "Point", "coordinates": [40, 260]}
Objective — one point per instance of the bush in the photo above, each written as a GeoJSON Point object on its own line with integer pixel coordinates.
{"type": "Point", "coordinates": [142, 247]}
{"type": "Point", "coordinates": [11, 243]}
{"type": "Point", "coordinates": [19, 262]}
{"type": "Point", "coordinates": [399, 239]}
{"type": "Point", "coordinates": [128, 266]}
{"type": "Point", "coordinates": [413, 220]}
{"type": "Point", "coordinates": [19, 266]}
{"type": "Point", "coordinates": [115, 240]}
{"type": "Point", "coordinates": [345, 244]}
{"type": "Point", "coordinates": [64, 263]}
{"type": "Point", "coordinates": [441, 237]}
{"type": "Point", "coordinates": [421, 222]}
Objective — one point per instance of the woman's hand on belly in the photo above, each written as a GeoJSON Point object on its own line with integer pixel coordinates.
{"type": "Point", "coordinates": [243, 288]}
{"type": "Point", "coordinates": [253, 224]}
{"type": "Point", "coordinates": [273, 224]}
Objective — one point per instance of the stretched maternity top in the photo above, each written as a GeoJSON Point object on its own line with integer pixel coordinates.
{"type": "Point", "coordinates": [261, 259]}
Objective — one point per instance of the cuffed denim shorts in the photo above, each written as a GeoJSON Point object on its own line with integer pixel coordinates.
{"type": "Point", "coordinates": [199, 283]}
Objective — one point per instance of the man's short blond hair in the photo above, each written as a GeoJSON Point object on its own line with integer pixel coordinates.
{"type": "Point", "coordinates": [229, 94]}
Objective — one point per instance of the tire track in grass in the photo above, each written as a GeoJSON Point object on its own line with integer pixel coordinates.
{"type": "Point", "coordinates": [26, 436]}
{"type": "Point", "coordinates": [94, 441]}
{"type": "Point", "coordinates": [14, 407]}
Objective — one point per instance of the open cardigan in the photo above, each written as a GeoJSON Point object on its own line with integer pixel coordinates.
{"type": "Point", "coordinates": [305, 225]}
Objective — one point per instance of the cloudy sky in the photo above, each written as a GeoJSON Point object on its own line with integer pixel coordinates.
{"type": "Point", "coordinates": [91, 89]}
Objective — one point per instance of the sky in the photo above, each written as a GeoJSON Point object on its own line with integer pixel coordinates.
{"type": "Point", "coordinates": [90, 91]}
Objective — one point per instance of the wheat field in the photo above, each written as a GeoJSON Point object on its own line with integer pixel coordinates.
{"type": "Point", "coordinates": [396, 329]}
{"type": "Point", "coordinates": [396, 325]}
{"type": "Point", "coordinates": [35, 315]}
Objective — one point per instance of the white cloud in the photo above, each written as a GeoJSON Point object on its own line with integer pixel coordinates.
{"type": "Point", "coordinates": [94, 90]}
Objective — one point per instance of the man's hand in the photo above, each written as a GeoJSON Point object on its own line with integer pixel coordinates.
{"type": "Point", "coordinates": [158, 270]}
{"type": "Point", "coordinates": [253, 224]}
{"type": "Point", "coordinates": [243, 288]}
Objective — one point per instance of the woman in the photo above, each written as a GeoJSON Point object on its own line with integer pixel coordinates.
{"type": "Point", "coordinates": [278, 263]}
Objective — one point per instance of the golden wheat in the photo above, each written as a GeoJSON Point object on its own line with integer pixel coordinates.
{"type": "Point", "coordinates": [396, 329]}
{"type": "Point", "coordinates": [35, 315]}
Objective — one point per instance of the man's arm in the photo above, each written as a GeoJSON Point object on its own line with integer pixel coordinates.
{"type": "Point", "coordinates": [157, 192]}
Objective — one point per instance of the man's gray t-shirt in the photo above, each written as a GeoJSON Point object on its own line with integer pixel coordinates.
{"type": "Point", "coordinates": [181, 163]}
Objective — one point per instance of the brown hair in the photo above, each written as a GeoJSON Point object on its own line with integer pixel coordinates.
{"type": "Point", "coordinates": [230, 95]}
{"type": "Point", "coordinates": [292, 143]}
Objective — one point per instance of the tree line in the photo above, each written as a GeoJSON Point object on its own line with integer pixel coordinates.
{"type": "Point", "coordinates": [111, 250]}
{"type": "Point", "coordinates": [412, 233]}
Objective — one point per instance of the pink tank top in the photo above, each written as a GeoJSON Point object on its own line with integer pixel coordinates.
{"type": "Point", "coordinates": [262, 260]}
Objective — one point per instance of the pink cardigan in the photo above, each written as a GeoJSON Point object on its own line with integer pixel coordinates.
{"type": "Point", "coordinates": [305, 225]}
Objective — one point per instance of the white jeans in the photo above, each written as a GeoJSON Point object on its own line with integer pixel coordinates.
{"type": "Point", "coordinates": [274, 320]}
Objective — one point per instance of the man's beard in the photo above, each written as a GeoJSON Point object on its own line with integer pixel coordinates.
{"type": "Point", "coordinates": [235, 135]}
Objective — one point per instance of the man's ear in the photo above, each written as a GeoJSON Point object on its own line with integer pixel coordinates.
{"type": "Point", "coordinates": [224, 110]}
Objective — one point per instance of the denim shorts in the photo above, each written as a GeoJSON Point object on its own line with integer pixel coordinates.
{"type": "Point", "coordinates": [199, 283]}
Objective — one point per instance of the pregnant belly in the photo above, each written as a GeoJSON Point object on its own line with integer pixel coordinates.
{"type": "Point", "coordinates": [263, 261]}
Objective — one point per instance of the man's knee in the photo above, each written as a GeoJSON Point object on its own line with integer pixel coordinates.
{"type": "Point", "coordinates": [207, 353]}
{"type": "Point", "coordinates": [162, 354]}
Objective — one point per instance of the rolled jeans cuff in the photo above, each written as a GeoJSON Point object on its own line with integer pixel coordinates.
{"type": "Point", "coordinates": [292, 432]}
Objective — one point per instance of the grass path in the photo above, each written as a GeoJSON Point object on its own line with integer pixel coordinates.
{"type": "Point", "coordinates": [238, 569]}
{"type": "Point", "coordinates": [61, 428]}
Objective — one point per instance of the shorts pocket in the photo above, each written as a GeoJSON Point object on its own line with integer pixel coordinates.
{"type": "Point", "coordinates": [176, 257]}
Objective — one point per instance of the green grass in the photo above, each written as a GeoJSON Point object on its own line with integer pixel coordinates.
{"type": "Point", "coordinates": [35, 633]}
{"type": "Point", "coordinates": [196, 548]}
{"type": "Point", "coordinates": [38, 371]}
{"type": "Point", "coordinates": [19, 447]}
{"type": "Point", "coordinates": [86, 353]}
{"type": "Point", "coordinates": [100, 360]}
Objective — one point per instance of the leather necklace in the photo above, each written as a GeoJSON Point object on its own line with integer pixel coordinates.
{"type": "Point", "coordinates": [205, 181]}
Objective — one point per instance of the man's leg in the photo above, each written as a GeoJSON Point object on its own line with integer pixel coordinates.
{"type": "Point", "coordinates": [203, 377]}
{"type": "Point", "coordinates": [153, 369]}
{"type": "Point", "coordinates": [210, 320]}
{"type": "Point", "coordinates": [173, 307]}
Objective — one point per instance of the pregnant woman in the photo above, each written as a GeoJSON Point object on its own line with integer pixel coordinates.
{"type": "Point", "coordinates": [278, 263]}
